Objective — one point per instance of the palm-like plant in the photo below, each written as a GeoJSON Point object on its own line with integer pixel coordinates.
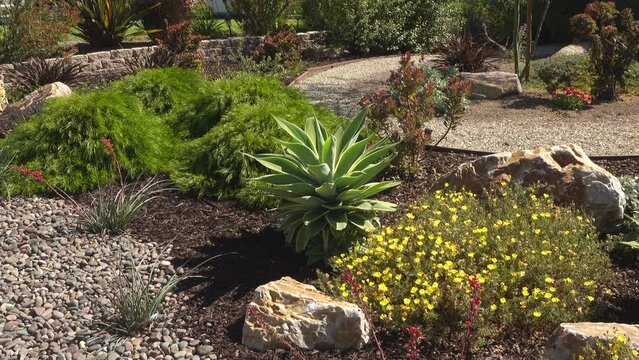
{"type": "Point", "coordinates": [105, 23]}
{"type": "Point", "coordinates": [324, 181]}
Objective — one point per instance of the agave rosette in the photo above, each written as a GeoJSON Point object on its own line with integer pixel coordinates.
{"type": "Point", "coordinates": [324, 181]}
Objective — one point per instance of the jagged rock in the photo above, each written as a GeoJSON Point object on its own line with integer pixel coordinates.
{"type": "Point", "coordinates": [492, 84]}
{"type": "Point", "coordinates": [289, 311]}
{"type": "Point", "coordinates": [564, 171]}
{"type": "Point", "coordinates": [569, 340]}
{"type": "Point", "coordinates": [33, 102]}
{"type": "Point", "coordinates": [571, 50]}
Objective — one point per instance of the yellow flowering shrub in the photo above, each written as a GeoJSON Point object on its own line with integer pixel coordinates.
{"type": "Point", "coordinates": [538, 264]}
{"type": "Point", "coordinates": [616, 348]}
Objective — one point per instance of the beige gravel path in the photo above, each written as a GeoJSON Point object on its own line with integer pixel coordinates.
{"type": "Point", "coordinates": [512, 123]}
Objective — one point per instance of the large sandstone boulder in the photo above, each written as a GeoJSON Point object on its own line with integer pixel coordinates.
{"type": "Point", "coordinates": [571, 50]}
{"type": "Point", "coordinates": [33, 102]}
{"type": "Point", "coordinates": [569, 339]}
{"type": "Point", "coordinates": [492, 84]}
{"type": "Point", "coordinates": [287, 311]}
{"type": "Point", "coordinates": [565, 172]}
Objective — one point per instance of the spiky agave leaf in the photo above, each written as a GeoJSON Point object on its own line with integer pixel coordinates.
{"type": "Point", "coordinates": [324, 180]}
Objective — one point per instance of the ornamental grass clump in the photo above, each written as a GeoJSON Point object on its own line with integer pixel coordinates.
{"type": "Point", "coordinates": [325, 182]}
{"type": "Point", "coordinates": [536, 265]}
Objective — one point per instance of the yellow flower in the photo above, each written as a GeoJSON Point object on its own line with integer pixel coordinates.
{"type": "Point", "coordinates": [591, 299]}
{"type": "Point", "coordinates": [491, 266]}
{"type": "Point", "coordinates": [410, 216]}
{"type": "Point", "coordinates": [382, 287]}
{"type": "Point", "coordinates": [555, 300]}
{"type": "Point", "coordinates": [622, 339]}
{"type": "Point", "coordinates": [502, 300]}
{"type": "Point", "coordinates": [406, 301]}
{"type": "Point", "coordinates": [537, 314]}
{"type": "Point", "coordinates": [549, 280]}
{"type": "Point", "coordinates": [589, 283]}
{"type": "Point", "coordinates": [493, 307]}
{"type": "Point", "coordinates": [384, 302]}
{"type": "Point", "coordinates": [524, 291]}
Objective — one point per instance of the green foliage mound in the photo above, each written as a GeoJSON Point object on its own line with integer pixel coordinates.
{"type": "Point", "coordinates": [63, 141]}
{"type": "Point", "coordinates": [162, 90]}
{"type": "Point", "coordinates": [170, 121]}
{"type": "Point", "coordinates": [214, 164]}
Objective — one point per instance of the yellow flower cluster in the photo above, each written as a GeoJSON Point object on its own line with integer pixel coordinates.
{"type": "Point", "coordinates": [537, 264]}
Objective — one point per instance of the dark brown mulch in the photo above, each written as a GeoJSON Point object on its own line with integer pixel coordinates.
{"type": "Point", "coordinates": [256, 255]}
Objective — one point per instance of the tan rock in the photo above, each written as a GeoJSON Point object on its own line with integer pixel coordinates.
{"type": "Point", "coordinates": [564, 171]}
{"type": "Point", "coordinates": [33, 102]}
{"type": "Point", "coordinates": [3, 96]}
{"type": "Point", "coordinates": [571, 50]}
{"type": "Point", "coordinates": [492, 84]}
{"type": "Point", "coordinates": [569, 340]}
{"type": "Point", "coordinates": [289, 311]}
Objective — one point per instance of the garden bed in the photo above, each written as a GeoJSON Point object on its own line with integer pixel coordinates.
{"type": "Point", "coordinates": [216, 305]}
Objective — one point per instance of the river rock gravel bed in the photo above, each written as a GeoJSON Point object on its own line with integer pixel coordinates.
{"type": "Point", "coordinates": [52, 277]}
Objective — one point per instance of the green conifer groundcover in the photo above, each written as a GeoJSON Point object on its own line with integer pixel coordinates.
{"type": "Point", "coordinates": [162, 121]}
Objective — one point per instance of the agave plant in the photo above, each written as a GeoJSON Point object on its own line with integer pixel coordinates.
{"type": "Point", "coordinates": [105, 23]}
{"type": "Point", "coordinates": [324, 181]}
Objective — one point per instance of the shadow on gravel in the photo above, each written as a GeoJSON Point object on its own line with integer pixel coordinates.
{"type": "Point", "coordinates": [247, 261]}
{"type": "Point", "coordinates": [524, 101]}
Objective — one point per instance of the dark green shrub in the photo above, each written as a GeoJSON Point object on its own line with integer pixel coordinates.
{"type": "Point", "coordinates": [195, 118]}
{"type": "Point", "coordinates": [63, 142]}
{"type": "Point", "coordinates": [214, 165]}
{"type": "Point", "coordinates": [563, 71]}
{"type": "Point", "coordinates": [538, 265]}
{"type": "Point", "coordinates": [389, 26]}
{"type": "Point", "coordinates": [159, 18]}
{"type": "Point", "coordinates": [614, 39]}
{"type": "Point", "coordinates": [162, 89]}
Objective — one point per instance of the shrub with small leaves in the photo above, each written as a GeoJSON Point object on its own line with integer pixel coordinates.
{"type": "Point", "coordinates": [571, 99]}
{"type": "Point", "coordinates": [411, 100]}
{"type": "Point", "coordinates": [614, 39]}
{"type": "Point", "coordinates": [283, 42]}
{"type": "Point", "coordinates": [564, 71]}
{"type": "Point", "coordinates": [537, 264]}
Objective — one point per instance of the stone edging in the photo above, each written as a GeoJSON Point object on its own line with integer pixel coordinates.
{"type": "Point", "coordinates": [112, 64]}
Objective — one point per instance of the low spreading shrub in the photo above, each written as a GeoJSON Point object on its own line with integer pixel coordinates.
{"type": "Point", "coordinates": [285, 43]}
{"type": "Point", "coordinates": [63, 141]}
{"type": "Point", "coordinates": [325, 182]}
{"type": "Point", "coordinates": [162, 90]}
{"type": "Point", "coordinates": [571, 99]}
{"type": "Point", "coordinates": [614, 39]}
{"type": "Point", "coordinates": [564, 71]}
{"type": "Point", "coordinates": [214, 165]}
{"type": "Point", "coordinates": [533, 264]}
